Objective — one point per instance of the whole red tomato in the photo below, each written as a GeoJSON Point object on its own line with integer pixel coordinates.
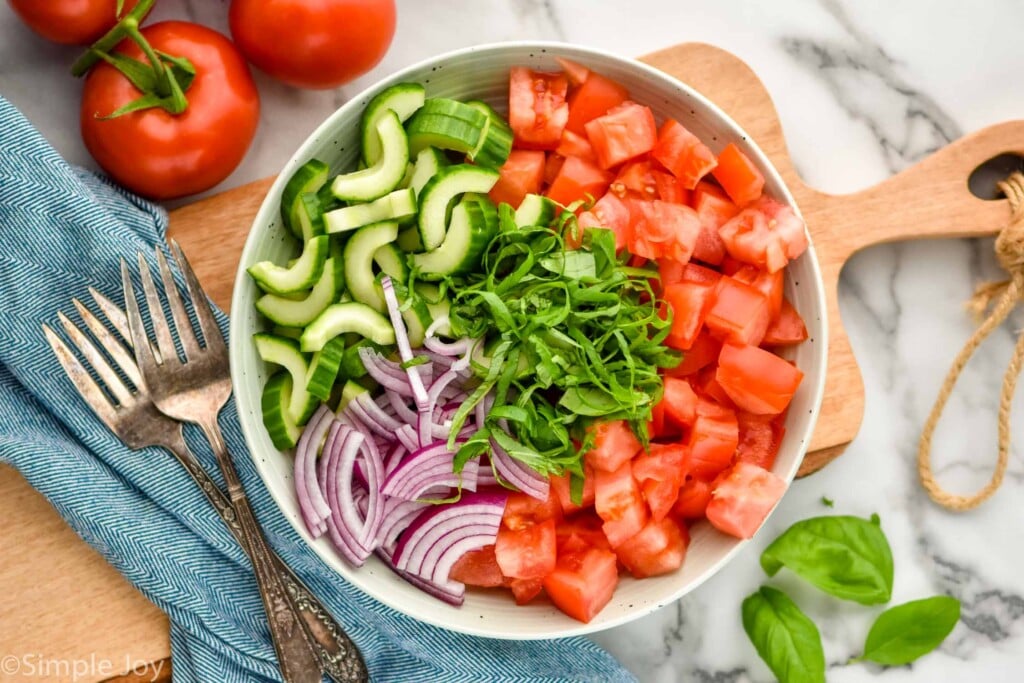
{"type": "Point", "coordinates": [161, 155]}
{"type": "Point", "coordinates": [313, 43]}
{"type": "Point", "coordinates": [71, 22]}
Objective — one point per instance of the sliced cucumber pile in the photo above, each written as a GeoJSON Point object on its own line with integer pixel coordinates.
{"type": "Point", "coordinates": [415, 208]}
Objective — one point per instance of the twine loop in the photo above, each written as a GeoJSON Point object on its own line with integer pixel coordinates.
{"type": "Point", "coordinates": [1002, 297]}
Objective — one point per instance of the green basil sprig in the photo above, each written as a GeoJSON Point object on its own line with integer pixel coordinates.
{"type": "Point", "coordinates": [903, 633]}
{"type": "Point", "coordinates": [785, 638]}
{"type": "Point", "coordinates": [847, 557]}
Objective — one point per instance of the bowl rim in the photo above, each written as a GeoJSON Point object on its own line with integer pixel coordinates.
{"type": "Point", "coordinates": [269, 209]}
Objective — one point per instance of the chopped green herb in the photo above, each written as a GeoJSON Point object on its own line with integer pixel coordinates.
{"type": "Point", "coordinates": [828, 502]}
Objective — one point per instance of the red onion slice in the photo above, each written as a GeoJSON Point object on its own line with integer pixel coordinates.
{"type": "Point", "coordinates": [419, 392]}
{"type": "Point", "coordinates": [312, 504]}
{"type": "Point", "coordinates": [451, 592]}
{"type": "Point", "coordinates": [425, 468]}
{"type": "Point", "coordinates": [518, 474]}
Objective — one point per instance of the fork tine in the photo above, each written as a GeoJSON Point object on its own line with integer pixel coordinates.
{"type": "Point", "coordinates": [207, 323]}
{"type": "Point", "coordinates": [136, 329]}
{"type": "Point", "coordinates": [99, 364]}
{"type": "Point", "coordinates": [182, 322]}
{"type": "Point", "coordinates": [115, 315]}
{"type": "Point", "coordinates": [162, 330]}
{"type": "Point", "coordinates": [79, 376]}
{"type": "Point", "coordinates": [110, 344]}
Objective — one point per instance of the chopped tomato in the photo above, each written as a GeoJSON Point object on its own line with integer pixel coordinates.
{"type": "Point", "coordinates": [767, 234]}
{"type": "Point", "coordinates": [666, 230]}
{"type": "Point", "coordinates": [520, 175]}
{"type": "Point", "coordinates": [708, 187]}
{"type": "Point", "coordinates": [682, 153]}
{"type": "Point", "coordinates": [690, 299]}
{"type": "Point", "coordinates": [625, 132]}
{"type": "Point", "coordinates": [552, 166]}
{"type": "Point", "coordinates": [582, 530]}
{"type": "Point", "coordinates": [659, 548]}
{"type": "Point", "coordinates": [576, 179]}
{"type": "Point", "coordinates": [594, 98]}
{"type": "Point", "coordinates": [614, 444]}
{"type": "Point", "coordinates": [714, 210]}
{"type": "Point", "coordinates": [713, 439]}
{"type": "Point", "coordinates": [787, 327]}
{"type": "Point", "coordinates": [523, 510]}
{"type": "Point", "coordinates": [619, 503]}
{"type": "Point", "coordinates": [583, 582]}
{"type": "Point", "coordinates": [538, 110]}
{"type": "Point", "coordinates": [680, 401]}
{"type": "Point", "coordinates": [730, 266]}
{"type": "Point", "coordinates": [769, 284]}
{"type": "Point", "coordinates": [743, 498]}
{"type": "Point", "coordinates": [561, 487]}
{"type": "Point", "coordinates": [756, 380]}
{"type": "Point", "coordinates": [704, 351]}
{"type": "Point", "coordinates": [669, 189]}
{"type": "Point", "coordinates": [576, 145]}
{"type": "Point", "coordinates": [526, 553]}
{"type": "Point", "coordinates": [760, 438]}
{"type": "Point", "coordinates": [637, 177]}
{"type": "Point", "coordinates": [609, 212]}
{"type": "Point", "coordinates": [659, 427]}
{"type": "Point", "coordinates": [670, 272]}
{"type": "Point", "coordinates": [694, 496]}
{"type": "Point", "coordinates": [739, 312]}
{"type": "Point", "coordinates": [660, 474]}
{"type": "Point", "coordinates": [574, 71]}
{"type": "Point", "coordinates": [738, 175]}
{"type": "Point", "coordinates": [706, 385]}
{"type": "Point", "coordinates": [525, 590]}
{"type": "Point", "coordinates": [478, 568]}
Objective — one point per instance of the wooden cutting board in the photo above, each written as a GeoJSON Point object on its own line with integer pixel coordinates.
{"type": "Point", "coordinates": [63, 602]}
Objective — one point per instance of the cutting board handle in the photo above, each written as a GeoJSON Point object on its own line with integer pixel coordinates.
{"type": "Point", "coordinates": [930, 199]}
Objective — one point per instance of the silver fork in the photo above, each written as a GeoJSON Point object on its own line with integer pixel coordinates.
{"type": "Point", "coordinates": [137, 422]}
{"type": "Point", "coordinates": [195, 391]}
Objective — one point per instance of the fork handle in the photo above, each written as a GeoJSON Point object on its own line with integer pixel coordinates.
{"type": "Point", "coordinates": [295, 653]}
{"type": "Point", "coordinates": [339, 657]}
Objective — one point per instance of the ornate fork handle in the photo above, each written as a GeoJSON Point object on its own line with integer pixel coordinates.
{"type": "Point", "coordinates": [338, 655]}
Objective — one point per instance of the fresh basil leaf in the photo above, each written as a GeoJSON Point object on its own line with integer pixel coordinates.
{"type": "Point", "coordinates": [847, 557]}
{"type": "Point", "coordinates": [828, 502]}
{"type": "Point", "coordinates": [784, 637]}
{"type": "Point", "coordinates": [903, 633]}
{"type": "Point", "coordinates": [571, 264]}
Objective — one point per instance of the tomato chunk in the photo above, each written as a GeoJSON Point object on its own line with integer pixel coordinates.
{"type": "Point", "coordinates": [760, 438]}
{"type": "Point", "coordinates": [670, 189]}
{"type": "Point", "coordinates": [683, 154]}
{"type": "Point", "coordinates": [680, 401]}
{"type": "Point", "coordinates": [595, 96]}
{"type": "Point", "coordinates": [561, 487]}
{"type": "Point", "coordinates": [576, 179]}
{"type": "Point", "coordinates": [614, 444]}
{"type": "Point", "coordinates": [526, 553]}
{"type": "Point", "coordinates": [767, 234]}
{"type": "Point", "coordinates": [576, 145]}
{"type": "Point", "coordinates": [712, 441]}
{"type": "Point", "coordinates": [704, 351]}
{"type": "Point", "coordinates": [582, 530]}
{"type": "Point", "coordinates": [660, 474]}
{"type": "Point", "coordinates": [739, 312]}
{"type": "Point", "coordinates": [787, 328]}
{"type": "Point", "coordinates": [538, 110]}
{"type": "Point", "coordinates": [583, 582]}
{"type": "Point", "coordinates": [659, 548]}
{"type": "Point", "coordinates": [738, 175]}
{"type": "Point", "coordinates": [525, 590]}
{"type": "Point", "coordinates": [611, 213]}
{"type": "Point", "coordinates": [478, 568]}
{"type": "Point", "coordinates": [694, 496]}
{"type": "Point", "coordinates": [691, 300]}
{"type": "Point", "coordinates": [619, 503]}
{"type": "Point", "coordinates": [520, 175]}
{"type": "Point", "coordinates": [625, 132]}
{"type": "Point", "coordinates": [637, 177]}
{"type": "Point", "coordinates": [769, 284]}
{"type": "Point", "coordinates": [523, 510]}
{"type": "Point", "coordinates": [574, 71]}
{"type": "Point", "coordinates": [661, 229]}
{"type": "Point", "coordinates": [743, 498]}
{"type": "Point", "coordinates": [756, 380]}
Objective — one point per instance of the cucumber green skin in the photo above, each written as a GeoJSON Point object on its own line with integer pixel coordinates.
{"type": "Point", "coordinates": [302, 274]}
{"type": "Point", "coordinates": [299, 313]}
{"type": "Point", "coordinates": [385, 175]}
{"type": "Point", "coordinates": [339, 319]}
{"type": "Point", "coordinates": [348, 393]}
{"type": "Point", "coordinates": [536, 209]}
{"type": "Point", "coordinates": [403, 98]}
{"type": "Point", "coordinates": [417, 319]}
{"type": "Point", "coordinates": [455, 109]}
{"type": "Point", "coordinates": [283, 431]}
{"type": "Point", "coordinates": [285, 331]}
{"type": "Point", "coordinates": [474, 224]}
{"type": "Point", "coordinates": [323, 369]}
{"type": "Point", "coordinates": [440, 191]}
{"type": "Point", "coordinates": [391, 261]}
{"type": "Point", "coordinates": [285, 352]}
{"type": "Point", "coordinates": [359, 250]}
{"type": "Point", "coordinates": [351, 363]}
{"type": "Point", "coordinates": [309, 177]}
{"type": "Point", "coordinates": [428, 162]}
{"type": "Point", "coordinates": [310, 216]}
{"type": "Point", "coordinates": [409, 240]}
{"type": "Point", "coordinates": [397, 205]}
{"type": "Point", "coordinates": [496, 142]}
{"type": "Point", "coordinates": [445, 132]}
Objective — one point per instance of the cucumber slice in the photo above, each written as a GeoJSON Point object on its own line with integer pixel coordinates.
{"type": "Point", "coordinates": [302, 274]}
{"type": "Point", "coordinates": [351, 363]}
{"type": "Point", "coordinates": [407, 178]}
{"type": "Point", "coordinates": [409, 240]}
{"type": "Point", "coordinates": [359, 252]}
{"type": "Point", "coordinates": [443, 106]}
{"type": "Point", "coordinates": [439, 193]}
{"type": "Point", "coordinates": [384, 175]}
{"type": "Point", "coordinates": [310, 216]}
{"type": "Point", "coordinates": [403, 99]}
{"type": "Point", "coordinates": [391, 261]}
{"type": "Point", "coordinates": [474, 224]}
{"type": "Point", "coordinates": [339, 319]}
{"type": "Point", "coordinates": [285, 331]}
{"type": "Point", "coordinates": [277, 395]}
{"type": "Point", "coordinates": [290, 312]}
{"type": "Point", "coordinates": [348, 393]}
{"type": "Point", "coordinates": [428, 162]}
{"type": "Point", "coordinates": [310, 177]}
{"type": "Point", "coordinates": [417, 319]}
{"type": "Point", "coordinates": [323, 369]}
{"type": "Point", "coordinates": [496, 142]}
{"type": "Point", "coordinates": [446, 124]}
{"type": "Point", "coordinates": [536, 210]}
{"type": "Point", "coordinates": [285, 352]}
{"type": "Point", "coordinates": [437, 305]}
{"type": "Point", "coordinates": [394, 206]}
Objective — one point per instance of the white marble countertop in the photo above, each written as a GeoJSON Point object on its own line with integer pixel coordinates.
{"type": "Point", "coordinates": [863, 89]}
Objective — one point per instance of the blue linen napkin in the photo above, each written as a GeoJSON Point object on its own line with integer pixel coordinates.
{"type": "Point", "coordinates": [63, 229]}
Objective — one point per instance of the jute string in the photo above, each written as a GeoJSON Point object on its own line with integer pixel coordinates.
{"type": "Point", "coordinates": [1005, 295]}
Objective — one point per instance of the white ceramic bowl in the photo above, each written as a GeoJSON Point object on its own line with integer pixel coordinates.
{"type": "Point", "coordinates": [482, 73]}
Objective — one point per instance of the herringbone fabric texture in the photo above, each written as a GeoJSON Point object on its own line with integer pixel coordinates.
{"type": "Point", "coordinates": [63, 229]}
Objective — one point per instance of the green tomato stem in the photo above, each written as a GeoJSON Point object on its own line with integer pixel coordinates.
{"type": "Point", "coordinates": [111, 39]}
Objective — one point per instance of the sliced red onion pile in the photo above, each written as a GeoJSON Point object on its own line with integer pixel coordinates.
{"type": "Point", "coordinates": [385, 468]}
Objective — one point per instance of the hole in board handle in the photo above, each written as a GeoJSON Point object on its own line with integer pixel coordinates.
{"type": "Point", "coordinates": [983, 179]}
